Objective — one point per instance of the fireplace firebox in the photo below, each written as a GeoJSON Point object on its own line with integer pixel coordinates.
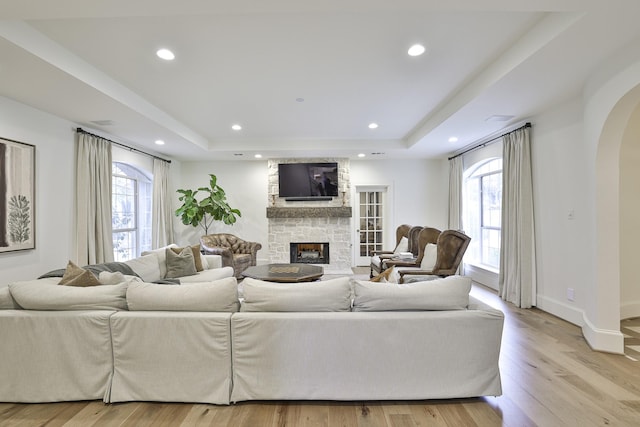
{"type": "Point", "coordinates": [309, 252]}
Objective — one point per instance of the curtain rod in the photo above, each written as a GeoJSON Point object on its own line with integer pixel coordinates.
{"type": "Point", "coordinates": [484, 144]}
{"type": "Point", "coordinates": [80, 130]}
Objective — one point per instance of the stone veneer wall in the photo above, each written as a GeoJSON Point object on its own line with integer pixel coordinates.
{"type": "Point", "coordinates": [315, 223]}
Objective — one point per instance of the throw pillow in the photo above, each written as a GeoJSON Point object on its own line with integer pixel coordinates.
{"type": "Point", "coordinates": [78, 276]}
{"type": "Point", "coordinates": [430, 257]}
{"type": "Point", "coordinates": [218, 295]}
{"type": "Point", "coordinates": [181, 264]}
{"type": "Point", "coordinates": [450, 293]}
{"type": "Point", "coordinates": [324, 295]}
{"type": "Point", "coordinates": [116, 278]}
{"type": "Point", "coordinates": [147, 267]}
{"type": "Point", "coordinates": [403, 246]}
{"type": "Point", "coordinates": [160, 253]}
{"type": "Point", "coordinates": [196, 256]}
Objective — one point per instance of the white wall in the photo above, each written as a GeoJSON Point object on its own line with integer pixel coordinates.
{"type": "Point", "coordinates": [418, 190]}
{"type": "Point", "coordinates": [54, 141]}
{"type": "Point", "coordinates": [245, 183]}
{"type": "Point", "coordinates": [561, 211]}
{"type": "Point", "coordinates": [629, 214]}
{"type": "Point", "coordinates": [419, 193]}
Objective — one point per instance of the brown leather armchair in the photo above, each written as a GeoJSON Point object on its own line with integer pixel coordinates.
{"type": "Point", "coordinates": [235, 252]}
{"type": "Point", "coordinates": [451, 246]}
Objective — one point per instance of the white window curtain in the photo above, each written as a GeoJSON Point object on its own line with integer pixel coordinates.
{"type": "Point", "coordinates": [517, 281]}
{"type": "Point", "coordinates": [162, 211]}
{"type": "Point", "coordinates": [94, 240]}
{"type": "Point", "coordinates": [455, 197]}
{"type": "Point", "coordinates": [455, 193]}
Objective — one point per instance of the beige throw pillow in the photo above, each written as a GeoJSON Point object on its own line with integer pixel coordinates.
{"type": "Point", "coordinates": [78, 276]}
{"type": "Point", "coordinates": [196, 255]}
{"type": "Point", "coordinates": [179, 265]}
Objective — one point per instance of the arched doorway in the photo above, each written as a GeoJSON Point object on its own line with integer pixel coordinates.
{"type": "Point", "coordinates": [619, 136]}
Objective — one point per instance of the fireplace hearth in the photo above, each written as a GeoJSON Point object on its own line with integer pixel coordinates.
{"type": "Point", "coordinates": [309, 252]}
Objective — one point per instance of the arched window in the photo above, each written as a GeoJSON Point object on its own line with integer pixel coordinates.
{"type": "Point", "coordinates": [482, 206]}
{"type": "Point", "coordinates": [131, 211]}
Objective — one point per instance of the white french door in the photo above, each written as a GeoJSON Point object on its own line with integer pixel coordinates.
{"type": "Point", "coordinates": [370, 223]}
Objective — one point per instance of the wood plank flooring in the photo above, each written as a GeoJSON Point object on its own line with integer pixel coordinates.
{"type": "Point", "coordinates": [550, 378]}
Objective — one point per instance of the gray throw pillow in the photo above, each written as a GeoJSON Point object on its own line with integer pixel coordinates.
{"type": "Point", "coordinates": [179, 265]}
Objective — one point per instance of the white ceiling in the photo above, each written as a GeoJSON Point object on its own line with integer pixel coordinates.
{"type": "Point", "coordinates": [249, 61]}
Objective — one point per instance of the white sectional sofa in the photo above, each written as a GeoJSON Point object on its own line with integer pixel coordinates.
{"type": "Point", "coordinates": [337, 339]}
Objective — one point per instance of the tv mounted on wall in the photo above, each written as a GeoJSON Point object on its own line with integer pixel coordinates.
{"type": "Point", "coordinates": [308, 181]}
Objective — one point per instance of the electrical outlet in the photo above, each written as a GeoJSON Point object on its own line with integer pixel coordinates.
{"type": "Point", "coordinates": [570, 294]}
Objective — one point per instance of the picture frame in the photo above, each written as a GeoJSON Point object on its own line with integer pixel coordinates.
{"type": "Point", "coordinates": [17, 196]}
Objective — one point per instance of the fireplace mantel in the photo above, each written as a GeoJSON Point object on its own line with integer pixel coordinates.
{"type": "Point", "coordinates": [324, 212]}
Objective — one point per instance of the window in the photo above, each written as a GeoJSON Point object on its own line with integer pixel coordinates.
{"type": "Point", "coordinates": [482, 212]}
{"type": "Point", "coordinates": [131, 211]}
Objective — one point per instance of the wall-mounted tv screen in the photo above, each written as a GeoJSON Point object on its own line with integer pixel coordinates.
{"type": "Point", "coordinates": [308, 180]}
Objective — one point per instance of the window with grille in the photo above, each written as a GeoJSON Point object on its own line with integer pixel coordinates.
{"type": "Point", "coordinates": [131, 211]}
{"type": "Point", "coordinates": [482, 213]}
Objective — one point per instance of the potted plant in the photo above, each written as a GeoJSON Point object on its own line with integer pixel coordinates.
{"type": "Point", "coordinates": [213, 207]}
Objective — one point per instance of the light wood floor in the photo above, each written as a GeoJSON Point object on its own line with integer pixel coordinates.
{"type": "Point", "coordinates": [550, 378]}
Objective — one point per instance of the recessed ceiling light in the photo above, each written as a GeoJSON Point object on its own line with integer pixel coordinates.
{"type": "Point", "coordinates": [361, 155]}
{"type": "Point", "coordinates": [165, 54]}
{"type": "Point", "coordinates": [373, 125]}
{"type": "Point", "coordinates": [159, 142]}
{"type": "Point", "coordinates": [258, 156]}
{"type": "Point", "coordinates": [416, 50]}
{"type": "Point", "coordinates": [236, 127]}
{"type": "Point", "coordinates": [453, 139]}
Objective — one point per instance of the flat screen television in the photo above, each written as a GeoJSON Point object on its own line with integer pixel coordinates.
{"type": "Point", "coordinates": [305, 181]}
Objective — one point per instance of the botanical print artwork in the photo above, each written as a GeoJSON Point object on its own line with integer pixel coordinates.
{"type": "Point", "coordinates": [17, 194]}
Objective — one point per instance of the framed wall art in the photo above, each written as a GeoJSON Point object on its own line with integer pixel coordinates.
{"type": "Point", "coordinates": [17, 196]}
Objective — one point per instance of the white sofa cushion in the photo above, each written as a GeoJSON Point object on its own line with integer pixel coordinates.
{"type": "Point", "coordinates": [6, 300]}
{"type": "Point", "coordinates": [450, 293]}
{"type": "Point", "coordinates": [325, 295]}
{"type": "Point", "coordinates": [148, 267]}
{"type": "Point", "coordinates": [161, 255]}
{"type": "Point", "coordinates": [220, 295]}
{"type": "Point", "coordinates": [45, 294]}
{"type": "Point", "coordinates": [208, 275]}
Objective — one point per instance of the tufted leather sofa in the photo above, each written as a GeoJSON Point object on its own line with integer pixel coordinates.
{"type": "Point", "coordinates": [235, 252]}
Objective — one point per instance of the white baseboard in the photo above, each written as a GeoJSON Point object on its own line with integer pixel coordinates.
{"type": "Point", "coordinates": [562, 310]}
{"type": "Point", "coordinates": [603, 339]}
{"type": "Point", "coordinates": [609, 341]}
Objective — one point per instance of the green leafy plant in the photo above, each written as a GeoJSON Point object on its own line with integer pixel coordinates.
{"type": "Point", "coordinates": [19, 219]}
{"type": "Point", "coordinates": [213, 207]}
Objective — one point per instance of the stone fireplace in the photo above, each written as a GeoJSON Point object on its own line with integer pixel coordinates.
{"type": "Point", "coordinates": [324, 222]}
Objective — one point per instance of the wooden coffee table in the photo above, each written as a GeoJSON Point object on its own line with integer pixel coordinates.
{"type": "Point", "coordinates": [284, 272]}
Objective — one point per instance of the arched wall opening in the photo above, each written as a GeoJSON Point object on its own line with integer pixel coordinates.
{"type": "Point", "coordinates": [615, 204]}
